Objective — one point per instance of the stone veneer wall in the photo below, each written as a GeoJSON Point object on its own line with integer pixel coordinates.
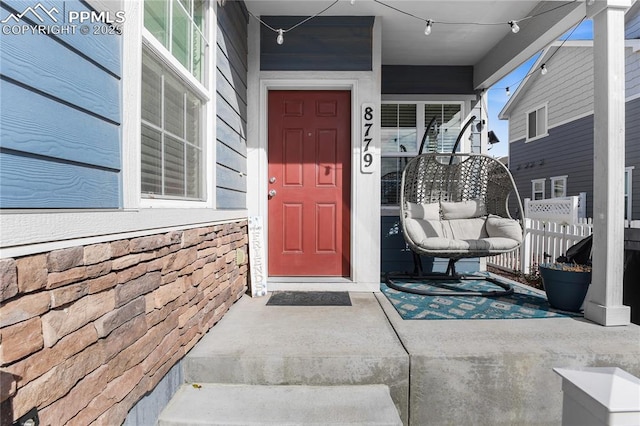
{"type": "Point", "coordinates": [87, 331]}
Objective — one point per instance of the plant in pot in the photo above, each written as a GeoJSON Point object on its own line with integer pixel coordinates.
{"type": "Point", "coordinates": [566, 281]}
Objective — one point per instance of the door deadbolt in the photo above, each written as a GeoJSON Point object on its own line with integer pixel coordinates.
{"type": "Point", "coordinates": [272, 179]}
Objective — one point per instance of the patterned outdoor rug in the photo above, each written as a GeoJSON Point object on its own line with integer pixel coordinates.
{"type": "Point", "coordinates": [523, 303]}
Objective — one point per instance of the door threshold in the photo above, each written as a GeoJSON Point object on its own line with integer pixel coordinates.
{"type": "Point", "coordinates": [317, 284]}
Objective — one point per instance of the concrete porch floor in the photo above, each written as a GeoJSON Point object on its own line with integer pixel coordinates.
{"type": "Point", "coordinates": [444, 372]}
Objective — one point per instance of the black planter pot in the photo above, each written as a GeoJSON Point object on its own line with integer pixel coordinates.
{"type": "Point", "coordinates": [565, 290]}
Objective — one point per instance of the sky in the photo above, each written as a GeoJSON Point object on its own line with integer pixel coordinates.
{"type": "Point", "coordinates": [497, 96]}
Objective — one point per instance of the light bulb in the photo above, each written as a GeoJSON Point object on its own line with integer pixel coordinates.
{"type": "Point", "coordinates": [543, 69]}
{"type": "Point", "coordinates": [514, 26]}
{"type": "Point", "coordinates": [353, 2]}
{"type": "Point", "coordinates": [427, 29]}
{"type": "Point", "coordinates": [280, 38]}
{"type": "Point", "coordinates": [508, 92]}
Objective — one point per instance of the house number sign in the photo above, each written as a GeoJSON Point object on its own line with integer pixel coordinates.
{"type": "Point", "coordinates": [366, 138]}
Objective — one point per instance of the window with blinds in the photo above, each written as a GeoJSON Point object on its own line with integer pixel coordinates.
{"type": "Point", "coordinates": [402, 127]}
{"type": "Point", "coordinates": [172, 164]}
{"type": "Point", "coordinates": [171, 135]}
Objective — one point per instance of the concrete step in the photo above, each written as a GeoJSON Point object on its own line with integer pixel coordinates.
{"type": "Point", "coordinates": [256, 344]}
{"type": "Point", "coordinates": [225, 404]}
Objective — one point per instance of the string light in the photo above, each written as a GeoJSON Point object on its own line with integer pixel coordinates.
{"type": "Point", "coordinates": [427, 29]}
{"type": "Point", "coordinates": [281, 31]}
{"type": "Point", "coordinates": [429, 22]}
{"type": "Point", "coordinates": [543, 67]}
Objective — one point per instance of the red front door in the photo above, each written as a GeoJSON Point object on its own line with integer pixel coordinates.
{"type": "Point", "coordinates": [309, 183]}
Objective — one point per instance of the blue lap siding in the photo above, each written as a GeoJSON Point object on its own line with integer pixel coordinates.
{"type": "Point", "coordinates": [231, 106]}
{"type": "Point", "coordinates": [325, 43]}
{"type": "Point", "coordinates": [60, 133]}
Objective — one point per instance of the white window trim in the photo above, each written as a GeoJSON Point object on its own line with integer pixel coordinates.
{"type": "Point", "coordinates": [533, 187]}
{"type": "Point", "coordinates": [546, 122]}
{"type": "Point", "coordinates": [553, 182]}
{"type": "Point", "coordinates": [207, 95]}
{"type": "Point", "coordinates": [26, 232]}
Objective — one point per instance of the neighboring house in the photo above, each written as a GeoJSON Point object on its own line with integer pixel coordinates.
{"type": "Point", "coordinates": [133, 154]}
{"type": "Point", "coordinates": [551, 123]}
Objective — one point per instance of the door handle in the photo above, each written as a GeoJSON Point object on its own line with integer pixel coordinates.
{"type": "Point", "coordinates": [272, 193]}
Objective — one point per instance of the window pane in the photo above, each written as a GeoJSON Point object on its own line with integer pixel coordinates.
{"type": "Point", "coordinates": [180, 30]}
{"type": "Point", "coordinates": [407, 116]}
{"type": "Point", "coordinates": [171, 153]}
{"type": "Point", "coordinates": [389, 115]}
{"type": "Point", "coordinates": [173, 107]}
{"type": "Point", "coordinates": [451, 125]}
{"type": "Point", "coordinates": [198, 53]}
{"type": "Point", "coordinates": [398, 133]}
{"type": "Point", "coordinates": [193, 172]}
{"type": "Point", "coordinates": [155, 19]}
{"type": "Point", "coordinates": [193, 119]}
{"type": "Point", "coordinates": [444, 121]}
{"type": "Point", "coordinates": [199, 9]}
{"type": "Point", "coordinates": [173, 167]}
{"type": "Point", "coordinates": [532, 125]}
{"type": "Point", "coordinates": [558, 188]}
{"type": "Point", "coordinates": [391, 176]}
{"type": "Point", "coordinates": [541, 124]}
{"type": "Point", "coordinates": [151, 90]}
{"type": "Point", "coordinates": [151, 170]}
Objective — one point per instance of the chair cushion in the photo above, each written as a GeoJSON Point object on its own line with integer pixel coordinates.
{"type": "Point", "coordinates": [497, 226]}
{"type": "Point", "coordinates": [463, 210]}
{"type": "Point", "coordinates": [464, 229]}
{"type": "Point", "coordinates": [418, 229]}
{"type": "Point", "coordinates": [428, 211]}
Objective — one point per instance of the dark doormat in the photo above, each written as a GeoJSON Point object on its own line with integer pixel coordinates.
{"type": "Point", "coordinates": [310, 298]}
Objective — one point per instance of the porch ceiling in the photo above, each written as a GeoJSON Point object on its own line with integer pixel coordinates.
{"type": "Point", "coordinates": [493, 50]}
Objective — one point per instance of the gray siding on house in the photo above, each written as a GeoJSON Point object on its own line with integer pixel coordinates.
{"type": "Point", "coordinates": [325, 43]}
{"type": "Point", "coordinates": [632, 24]}
{"type": "Point", "coordinates": [568, 150]}
{"type": "Point", "coordinates": [436, 80]}
{"type": "Point", "coordinates": [61, 114]}
{"type": "Point", "coordinates": [567, 88]}
{"type": "Point", "coordinates": [231, 106]}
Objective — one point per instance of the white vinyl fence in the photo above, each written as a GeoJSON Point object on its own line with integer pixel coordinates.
{"type": "Point", "coordinates": [544, 242]}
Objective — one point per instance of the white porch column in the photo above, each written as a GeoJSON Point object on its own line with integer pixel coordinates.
{"type": "Point", "coordinates": [604, 300]}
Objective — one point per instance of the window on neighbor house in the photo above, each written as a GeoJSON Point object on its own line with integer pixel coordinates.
{"type": "Point", "coordinates": [558, 186]}
{"type": "Point", "coordinates": [628, 171]}
{"type": "Point", "coordinates": [402, 129]}
{"type": "Point", "coordinates": [537, 189]}
{"type": "Point", "coordinates": [173, 99]}
{"type": "Point", "coordinates": [537, 123]}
